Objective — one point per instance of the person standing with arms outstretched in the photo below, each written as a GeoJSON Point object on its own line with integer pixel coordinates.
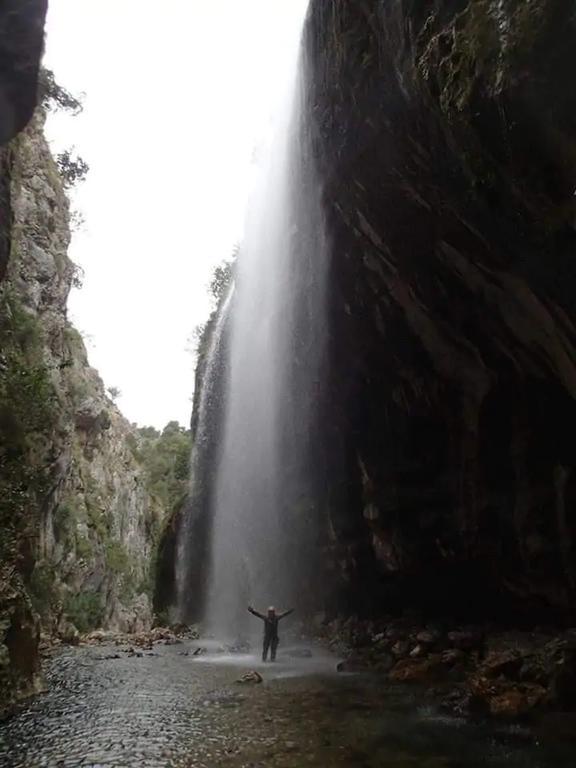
{"type": "Point", "coordinates": [271, 638]}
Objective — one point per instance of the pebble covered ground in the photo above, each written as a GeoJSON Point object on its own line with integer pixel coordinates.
{"type": "Point", "coordinates": [107, 707]}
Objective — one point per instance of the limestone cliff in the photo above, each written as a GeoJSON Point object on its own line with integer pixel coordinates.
{"type": "Point", "coordinates": [447, 141]}
{"type": "Point", "coordinates": [78, 520]}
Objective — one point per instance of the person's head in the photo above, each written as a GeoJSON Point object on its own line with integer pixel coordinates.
{"type": "Point", "coordinates": [271, 611]}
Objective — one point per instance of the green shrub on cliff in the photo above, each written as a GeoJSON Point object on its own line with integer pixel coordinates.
{"type": "Point", "coordinates": [29, 414]}
{"type": "Point", "coordinates": [64, 523]}
{"type": "Point", "coordinates": [73, 168]}
{"type": "Point", "coordinates": [54, 96]}
{"type": "Point", "coordinates": [85, 610]}
{"type": "Point", "coordinates": [222, 278]}
{"type": "Point", "coordinates": [165, 457]}
{"type": "Point", "coordinates": [42, 588]}
{"type": "Point", "coordinates": [117, 559]}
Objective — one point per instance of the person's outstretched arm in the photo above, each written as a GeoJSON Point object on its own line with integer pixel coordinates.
{"type": "Point", "coordinates": [255, 613]}
{"type": "Point", "coordinates": [286, 613]}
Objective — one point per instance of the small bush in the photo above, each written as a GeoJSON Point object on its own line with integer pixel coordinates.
{"type": "Point", "coordinates": [84, 549]}
{"type": "Point", "coordinates": [42, 591]}
{"type": "Point", "coordinates": [222, 278]}
{"type": "Point", "coordinates": [117, 560]}
{"type": "Point", "coordinates": [63, 523]}
{"type": "Point", "coordinates": [54, 96]}
{"type": "Point", "coordinates": [85, 610]}
{"type": "Point", "coordinates": [73, 169]}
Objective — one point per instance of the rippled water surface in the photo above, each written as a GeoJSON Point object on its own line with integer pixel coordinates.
{"type": "Point", "coordinates": [169, 708]}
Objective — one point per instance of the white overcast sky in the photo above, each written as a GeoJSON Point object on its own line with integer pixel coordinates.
{"type": "Point", "coordinates": [178, 97]}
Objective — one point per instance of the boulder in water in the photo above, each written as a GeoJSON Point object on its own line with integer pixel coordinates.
{"type": "Point", "coordinates": [418, 670]}
{"type": "Point", "coordinates": [251, 677]}
{"type": "Point", "coordinates": [69, 634]}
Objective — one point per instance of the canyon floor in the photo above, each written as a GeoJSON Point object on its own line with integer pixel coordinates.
{"type": "Point", "coordinates": [112, 706]}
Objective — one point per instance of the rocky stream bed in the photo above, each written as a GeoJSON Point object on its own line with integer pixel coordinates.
{"type": "Point", "coordinates": [113, 704]}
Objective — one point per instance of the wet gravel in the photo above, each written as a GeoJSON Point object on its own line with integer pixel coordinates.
{"type": "Point", "coordinates": [103, 711]}
{"type": "Point", "coordinates": [166, 709]}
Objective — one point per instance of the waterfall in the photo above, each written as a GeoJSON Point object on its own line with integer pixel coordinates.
{"type": "Point", "coordinates": [191, 559]}
{"type": "Point", "coordinates": [263, 511]}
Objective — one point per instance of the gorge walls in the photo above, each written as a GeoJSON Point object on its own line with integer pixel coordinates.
{"type": "Point", "coordinates": [78, 520]}
{"type": "Point", "coordinates": [448, 145]}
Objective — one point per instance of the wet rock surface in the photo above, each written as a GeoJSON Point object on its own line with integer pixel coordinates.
{"type": "Point", "coordinates": [448, 157]}
{"type": "Point", "coordinates": [106, 706]}
{"type": "Point", "coordinates": [471, 671]}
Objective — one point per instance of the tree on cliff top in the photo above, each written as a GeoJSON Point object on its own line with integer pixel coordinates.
{"type": "Point", "coordinates": [165, 457]}
{"type": "Point", "coordinates": [222, 278]}
{"type": "Point", "coordinates": [54, 96]}
{"type": "Point", "coordinates": [73, 169]}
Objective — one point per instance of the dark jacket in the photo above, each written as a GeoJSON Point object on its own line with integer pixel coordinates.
{"type": "Point", "coordinates": [270, 622]}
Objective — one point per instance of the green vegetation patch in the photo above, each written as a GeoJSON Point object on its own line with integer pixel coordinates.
{"type": "Point", "coordinates": [85, 610]}
{"type": "Point", "coordinates": [29, 415]}
{"type": "Point", "coordinates": [165, 457]}
{"type": "Point", "coordinates": [43, 589]}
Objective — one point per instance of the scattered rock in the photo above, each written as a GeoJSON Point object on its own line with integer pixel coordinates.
{"type": "Point", "coordinates": [507, 675]}
{"type": "Point", "coordinates": [453, 656]}
{"type": "Point", "coordinates": [456, 702]}
{"type": "Point", "coordinates": [506, 663]}
{"type": "Point", "coordinates": [503, 698]}
{"type": "Point", "coordinates": [183, 630]}
{"type": "Point", "coordinates": [393, 632]}
{"type": "Point", "coordinates": [69, 634]}
{"type": "Point", "coordinates": [400, 648]}
{"type": "Point", "coordinates": [428, 637]}
{"type": "Point", "coordinates": [96, 637]}
{"type": "Point", "coordinates": [516, 702]}
{"type": "Point", "coordinates": [418, 670]}
{"type": "Point", "coordinates": [251, 677]}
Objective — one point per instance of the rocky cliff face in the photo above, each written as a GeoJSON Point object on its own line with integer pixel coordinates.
{"type": "Point", "coordinates": [21, 44]}
{"type": "Point", "coordinates": [448, 147]}
{"type": "Point", "coordinates": [78, 522]}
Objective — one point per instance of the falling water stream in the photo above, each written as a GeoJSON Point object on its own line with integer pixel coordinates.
{"type": "Point", "coordinates": [262, 530]}
{"type": "Point", "coordinates": [188, 559]}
